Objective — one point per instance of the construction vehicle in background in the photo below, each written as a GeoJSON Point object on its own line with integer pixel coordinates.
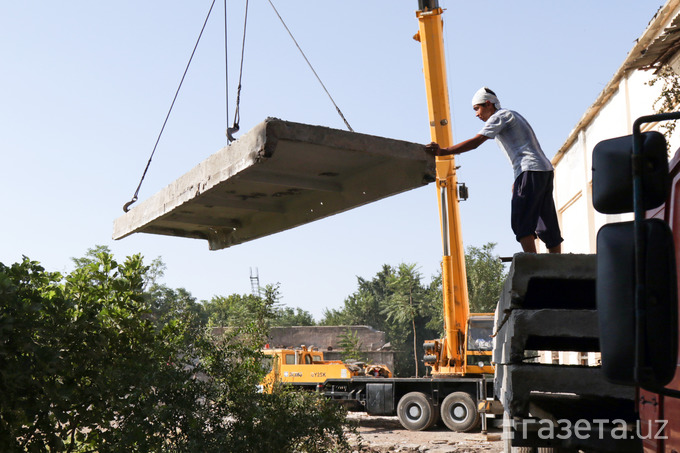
{"type": "Point", "coordinates": [306, 368]}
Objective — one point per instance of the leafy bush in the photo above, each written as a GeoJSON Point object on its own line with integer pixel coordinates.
{"type": "Point", "coordinates": [89, 363]}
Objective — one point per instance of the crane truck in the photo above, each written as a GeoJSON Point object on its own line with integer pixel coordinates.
{"type": "Point", "coordinates": [458, 387]}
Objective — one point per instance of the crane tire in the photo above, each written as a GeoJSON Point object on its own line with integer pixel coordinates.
{"type": "Point", "coordinates": [459, 412]}
{"type": "Point", "coordinates": [416, 412]}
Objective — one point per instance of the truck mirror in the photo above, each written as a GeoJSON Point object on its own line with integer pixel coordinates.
{"type": "Point", "coordinates": [613, 170]}
{"type": "Point", "coordinates": [657, 320]}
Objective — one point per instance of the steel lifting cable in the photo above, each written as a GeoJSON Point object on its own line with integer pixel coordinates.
{"type": "Point", "coordinates": [312, 68]}
{"type": "Point", "coordinates": [237, 116]}
{"type": "Point", "coordinates": [127, 205]}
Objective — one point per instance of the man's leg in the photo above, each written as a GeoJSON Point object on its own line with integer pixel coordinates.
{"type": "Point", "coordinates": [556, 249]}
{"type": "Point", "coordinates": [548, 228]}
{"type": "Point", "coordinates": [528, 244]}
{"type": "Point", "coordinates": [525, 210]}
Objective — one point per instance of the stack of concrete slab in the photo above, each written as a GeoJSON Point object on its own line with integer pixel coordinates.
{"type": "Point", "coordinates": [548, 304]}
{"type": "Point", "coordinates": [277, 176]}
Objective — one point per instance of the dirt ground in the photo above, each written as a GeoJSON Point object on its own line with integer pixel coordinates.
{"type": "Point", "coordinates": [385, 434]}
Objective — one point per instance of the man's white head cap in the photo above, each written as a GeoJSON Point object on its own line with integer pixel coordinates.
{"type": "Point", "coordinates": [484, 94]}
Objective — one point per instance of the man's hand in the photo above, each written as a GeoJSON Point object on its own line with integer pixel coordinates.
{"type": "Point", "coordinates": [433, 149]}
{"type": "Point", "coordinates": [459, 148]}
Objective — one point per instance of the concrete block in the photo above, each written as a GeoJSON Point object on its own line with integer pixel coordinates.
{"type": "Point", "coordinates": [515, 384]}
{"type": "Point", "coordinates": [545, 330]}
{"type": "Point", "coordinates": [550, 281]}
{"type": "Point", "coordinates": [277, 176]}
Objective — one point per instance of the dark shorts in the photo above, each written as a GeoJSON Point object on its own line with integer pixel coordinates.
{"type": "Point", "coordinates": [533, 208]}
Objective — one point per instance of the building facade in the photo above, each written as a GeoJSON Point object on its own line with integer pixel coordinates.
{"type": "Point", "coordinates": [625, 98]}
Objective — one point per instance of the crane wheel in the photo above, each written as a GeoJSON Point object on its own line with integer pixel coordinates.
{"type": "Point", "coordinates": [459, 413]}
{"type": "Point", "coordinates": [416, 412]}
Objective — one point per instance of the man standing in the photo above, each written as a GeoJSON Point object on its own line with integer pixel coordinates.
{"type": "Point", "coordinates": [533, 209]}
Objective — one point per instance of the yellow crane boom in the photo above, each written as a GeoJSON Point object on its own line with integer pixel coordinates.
{"type": "Point", "coordinates": [446, 356]}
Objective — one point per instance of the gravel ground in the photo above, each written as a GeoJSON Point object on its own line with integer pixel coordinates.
{"type": "Point", "coordinates": [385, 434]}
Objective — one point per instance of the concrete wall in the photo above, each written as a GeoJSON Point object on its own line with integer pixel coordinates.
{"type": "Point", "coordinates": [377, 357]}
{"type": "Point", "coordinates": [573, 172]}
{"type": "Point", "coordinates": [324, 337]}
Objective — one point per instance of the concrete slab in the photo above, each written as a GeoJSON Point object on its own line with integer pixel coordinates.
{"type": "Point", "coordinates": [277, 176]}
{"type": "Point", "coordinates": [561, 281]}
{"type": "Point", "coordinates": [517, 384]}
{"type": "Point", "coordinates": [545, 330]}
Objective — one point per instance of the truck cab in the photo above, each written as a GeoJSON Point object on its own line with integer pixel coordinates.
{"type": "Point", "coordinates": [479, 344]}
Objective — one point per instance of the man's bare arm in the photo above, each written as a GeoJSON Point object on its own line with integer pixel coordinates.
{"type": "Point", "coordinates": [458, 148]}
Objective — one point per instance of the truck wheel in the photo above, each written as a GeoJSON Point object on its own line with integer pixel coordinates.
{"type": "Point", "coordinates": [416, 412]}
{"type": "Point", "coordinates": [459, 412]}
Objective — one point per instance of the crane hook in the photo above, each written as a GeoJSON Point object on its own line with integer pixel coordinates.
{"type": "Point", "coordinates": [232, 130]}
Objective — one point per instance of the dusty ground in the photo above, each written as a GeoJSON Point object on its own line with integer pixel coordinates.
{"type": "Point", "coordinates": [385, 434]}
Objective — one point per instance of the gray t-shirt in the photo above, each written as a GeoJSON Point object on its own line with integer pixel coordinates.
{"type": "Point", "coordinates": [516, 137]}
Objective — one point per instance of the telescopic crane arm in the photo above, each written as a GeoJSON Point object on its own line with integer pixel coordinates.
{"type": "Point", "coordinates": [449, 352]}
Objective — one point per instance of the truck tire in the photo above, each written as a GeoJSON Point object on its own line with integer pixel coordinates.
{"type": "Point", "coordinates": [459, 412]}
{"type": "Point", "coordinates": [416, 412]}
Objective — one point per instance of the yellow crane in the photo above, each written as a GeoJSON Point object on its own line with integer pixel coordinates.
{"type": "Point", "coordinates": [457, 353]}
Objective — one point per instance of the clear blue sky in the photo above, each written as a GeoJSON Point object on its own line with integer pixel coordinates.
{"type": "Point", "coordinates": [85, 86]}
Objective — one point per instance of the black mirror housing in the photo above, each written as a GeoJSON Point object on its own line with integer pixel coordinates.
{"type": "Point", "coordinates": [616, 288]}
{"type": "Point", "coordinates": [613, 169]}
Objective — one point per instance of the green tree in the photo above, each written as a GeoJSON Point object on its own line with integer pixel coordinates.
{"type": "Point", "coordinates": [397, 302]}
{"type": "Point", "coordinates": [363, 306]}
{"type": "Point", "coordinates": [485, 277]}
{"type": "Point", "coordinates": [669, 98]}
{"type": "Point", "coordinates": [403, 305]}
{"type": "Point", "coordinates": [87, 364]}
{"type": "Point", "coordinates": [367, 305]}
{"type": "Point", "coordinates": [240, 310]}
{"type": "Point", "coordinates": [287, 317]}
{"type": "Point", "coordinates": [351, 345]}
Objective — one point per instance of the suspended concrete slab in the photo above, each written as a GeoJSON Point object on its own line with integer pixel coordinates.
{"type": "Point", "coordinates": [277, 176]}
